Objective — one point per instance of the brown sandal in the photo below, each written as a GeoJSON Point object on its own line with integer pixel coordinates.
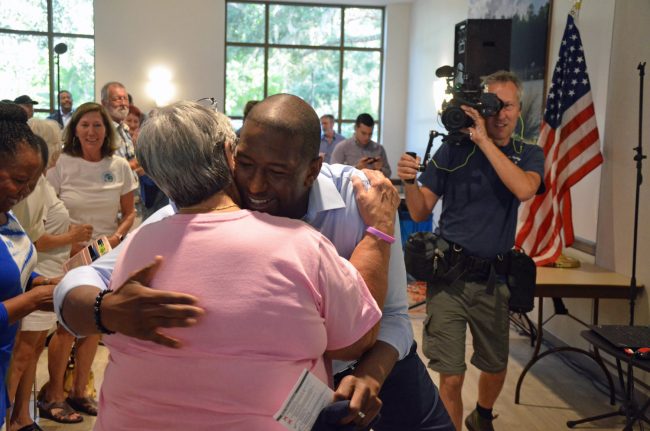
{"type": "Point", "coordinates": [85, 405]}
{"type": "Point", "coordinates": [64, 416]}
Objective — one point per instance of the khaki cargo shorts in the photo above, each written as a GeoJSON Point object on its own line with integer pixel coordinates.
{"type": "Point", "coordinates": [449, 310]}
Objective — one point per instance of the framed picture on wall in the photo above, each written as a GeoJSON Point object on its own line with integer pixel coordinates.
{"type": "Point", "coordinates": [528, 52]}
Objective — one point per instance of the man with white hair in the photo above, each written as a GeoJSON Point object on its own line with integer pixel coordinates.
{"type": "Point", "coordinates": [116, 101]}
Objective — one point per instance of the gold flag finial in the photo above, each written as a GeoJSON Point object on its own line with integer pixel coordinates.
{"type": "Point", "coordinates": [576, 8]}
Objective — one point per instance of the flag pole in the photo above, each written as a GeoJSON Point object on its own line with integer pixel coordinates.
{"type": "Point", "coordinates": [638, 158]}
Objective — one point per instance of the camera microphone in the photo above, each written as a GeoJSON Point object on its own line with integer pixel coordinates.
{"type": "Point", "coordinates": [446, 72]}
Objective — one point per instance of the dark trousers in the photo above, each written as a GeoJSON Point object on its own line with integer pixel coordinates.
{"type": "Point", "coordinates": [411, 400]}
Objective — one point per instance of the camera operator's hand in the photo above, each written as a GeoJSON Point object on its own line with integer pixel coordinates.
{"type": "Point", "coordinates": [478, 132]}
{"type": "Point", "coordinates": [407, 167]}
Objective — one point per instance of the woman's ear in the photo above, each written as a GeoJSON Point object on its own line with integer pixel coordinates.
{"type": "Point", "coordinates": [229, 149]}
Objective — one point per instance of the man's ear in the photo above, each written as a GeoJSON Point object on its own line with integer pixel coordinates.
{"type": "Point", "coordinates": [313, 170]}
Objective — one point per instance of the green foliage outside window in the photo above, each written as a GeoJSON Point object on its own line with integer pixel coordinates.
{"type": "Point", "coordinates": [28, 65]}
{"type": "Point", "coordinates": [331, 56]}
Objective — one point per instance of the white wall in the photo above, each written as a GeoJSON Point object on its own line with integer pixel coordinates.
{"type": "Point", "coordinates": [188, 37]}
{"type": "Point", "coordinates": [432, 45]}
{"type": "Point", "coordinates": [396, 68]}
{"type": "Point", "coordinates": [617, 194]}
{"type": "Point", "coordinates": [185, 36]}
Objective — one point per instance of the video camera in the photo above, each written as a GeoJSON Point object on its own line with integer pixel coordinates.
{"type": "Point", "coordinates": [465, 90]}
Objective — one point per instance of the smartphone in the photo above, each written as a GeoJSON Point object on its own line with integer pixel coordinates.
{"type": "Point", "coordinates": [93, 253]}
{"type": "Point", "coordinates": [101, 247]}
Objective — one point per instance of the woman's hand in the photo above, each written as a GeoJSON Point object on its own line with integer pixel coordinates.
{"type": "Point", "coordinates": [80, 232]}
{"type": "Point", "coordinates": [114, 240]}
{"type": "Point", "coordinates": [77, 247]}
{"type": "Point", "coordinates": [42, 296]}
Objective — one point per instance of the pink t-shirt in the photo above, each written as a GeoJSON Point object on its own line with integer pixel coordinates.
{"type": "Point", "coordinates": [276, 295]}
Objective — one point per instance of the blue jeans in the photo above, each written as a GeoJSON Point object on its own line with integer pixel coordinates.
{"type": "Point", "coordinates": [411, 400]}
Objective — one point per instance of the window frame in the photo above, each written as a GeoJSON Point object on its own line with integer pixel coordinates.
{"type": "Point", "coordinates": [341, 48]}
{"type": "Point", "coordinates": [51, 35]}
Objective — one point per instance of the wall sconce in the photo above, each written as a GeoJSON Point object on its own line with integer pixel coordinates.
{"type": "Point", "coordinates": [160, 87]}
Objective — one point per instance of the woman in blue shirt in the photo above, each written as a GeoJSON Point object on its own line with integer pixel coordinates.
{"type": "Point", "coordinates": [21, 163]}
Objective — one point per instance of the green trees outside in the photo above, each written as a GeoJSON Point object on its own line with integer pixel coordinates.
{"type": "Point", "coordinates": [26, 50]}
{"type": "Point", "coordinates": [331, 56]}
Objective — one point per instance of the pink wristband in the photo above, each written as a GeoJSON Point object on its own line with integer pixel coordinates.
{"type": "Point", "coordinates": [381, 235]}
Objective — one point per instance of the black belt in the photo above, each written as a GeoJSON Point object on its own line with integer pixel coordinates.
{"type": "Point", "coordinates": [470, 268]}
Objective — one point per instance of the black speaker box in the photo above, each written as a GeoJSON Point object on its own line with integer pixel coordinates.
{"type": "Point", "coordinates": [482, 46]}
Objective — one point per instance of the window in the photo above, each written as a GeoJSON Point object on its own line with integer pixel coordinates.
{"type": "Point", "coordinates": [331, 56]}
{"type": "Point", "coordinates": [29, 31]}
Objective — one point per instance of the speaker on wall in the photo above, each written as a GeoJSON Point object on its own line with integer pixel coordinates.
{"type": "Point", "coordinates": [482, 46]}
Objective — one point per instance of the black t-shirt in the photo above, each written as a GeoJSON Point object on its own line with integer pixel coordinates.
{"type": "Point", "coordinates": [479, 213]}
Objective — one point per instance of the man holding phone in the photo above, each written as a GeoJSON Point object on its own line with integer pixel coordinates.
{"type": "Point", "coordinates": [360, 151]}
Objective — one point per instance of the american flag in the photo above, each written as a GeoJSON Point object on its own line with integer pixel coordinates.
{"type": "Point", "coordinates": [569, 137]}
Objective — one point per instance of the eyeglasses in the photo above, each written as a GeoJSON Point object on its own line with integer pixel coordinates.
{"type": "Point", "coordinates": [209, 102]}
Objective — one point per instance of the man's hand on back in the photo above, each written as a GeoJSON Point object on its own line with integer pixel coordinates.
{"type": "Point", "coordinates": [138, 311]}
{"type": "Point", "coordinates": [378, 203]}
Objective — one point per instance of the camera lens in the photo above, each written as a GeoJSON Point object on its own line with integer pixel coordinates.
{"type": "Point", "coordinates": [454, 118]}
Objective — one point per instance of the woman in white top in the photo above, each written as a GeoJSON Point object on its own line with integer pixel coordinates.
{"type": "Point", "coordinates": [96, 187]}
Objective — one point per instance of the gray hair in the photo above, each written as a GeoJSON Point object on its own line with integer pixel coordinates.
{"type": "Point", "coordinates": [503, 76]}
{"type": "Point", "coordinates": [51, 133]}
{"type": "Point", "coordinates": [104, 92]}
{"type": "Point", "coordinates": [182, 148]}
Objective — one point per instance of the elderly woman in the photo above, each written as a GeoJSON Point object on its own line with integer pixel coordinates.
{"type": "Point", "coordinates": [21, 164]}
{"type": "Point", "coordinates": [134, 120]}
{"type": "Point", "coordinates": [97, 189]}
{"type": "Point", "coordinates": [277, 297]}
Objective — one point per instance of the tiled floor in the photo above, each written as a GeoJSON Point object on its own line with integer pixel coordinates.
{"type": "Point", "coordinates": [552, 393]}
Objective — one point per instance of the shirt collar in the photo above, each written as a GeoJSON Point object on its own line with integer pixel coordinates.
{"type": "Point", "coordinates": [323, 196]}
{"type": "Point", "coordinates": [368, 146]}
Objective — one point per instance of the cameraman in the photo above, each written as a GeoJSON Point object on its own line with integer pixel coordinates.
{"type": "Point", "coordinates": [482, 191]}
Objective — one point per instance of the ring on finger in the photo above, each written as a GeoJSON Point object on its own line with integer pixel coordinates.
{"type": "Point", "coordinates": [362, 415]}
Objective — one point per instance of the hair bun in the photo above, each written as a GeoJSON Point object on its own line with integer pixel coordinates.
{"type": "Point", "coordinates": [11, 112]}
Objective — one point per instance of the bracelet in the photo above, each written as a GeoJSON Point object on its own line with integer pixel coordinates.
{"type": "Point", "coordinates": [381, 235]}
{"type": "Point", "coordinates": [97, 308]}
